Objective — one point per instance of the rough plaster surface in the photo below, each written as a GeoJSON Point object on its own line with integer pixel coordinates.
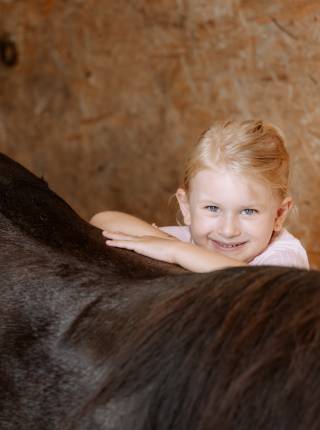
{"type": "Point", "coordinates": [107, 96]}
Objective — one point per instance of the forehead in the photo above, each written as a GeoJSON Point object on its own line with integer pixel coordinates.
{"type": "Point", "coordinates": [220, 184]}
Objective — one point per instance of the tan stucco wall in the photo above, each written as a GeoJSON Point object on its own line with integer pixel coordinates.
{"type": "Point", "coordinates": [107, 95]}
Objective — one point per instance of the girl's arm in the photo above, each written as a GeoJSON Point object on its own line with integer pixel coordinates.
{"type": "Point", "coordinates": [171, 250]}
{"type": "Point", "coordinates": [113, 221]}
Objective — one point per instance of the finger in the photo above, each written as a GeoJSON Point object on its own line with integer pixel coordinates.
{"type": "Point", "coordinates": [131, 246]}
{"type": "Point", "coordinates": [117, 235]}
{"type": "Point", "coordinates": [121, 244]}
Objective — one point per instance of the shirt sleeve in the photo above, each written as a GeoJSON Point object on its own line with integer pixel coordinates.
{"type": "Point", "coordinates": [180, 232]}
{"type": "Point", "coordinates": [284, 250]}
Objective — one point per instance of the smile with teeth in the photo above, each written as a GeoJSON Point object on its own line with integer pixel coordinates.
{"type": "Point", "coordinates": [225, 245]}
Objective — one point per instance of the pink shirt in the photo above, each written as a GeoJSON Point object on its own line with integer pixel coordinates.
{"type": "Point", "coordinates": [283, 250]}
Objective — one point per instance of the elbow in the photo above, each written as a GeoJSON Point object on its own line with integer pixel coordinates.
{"type": "Point", "coordinates": [109, 220]}
{"type": "Point", "coordinates": [102, 220]}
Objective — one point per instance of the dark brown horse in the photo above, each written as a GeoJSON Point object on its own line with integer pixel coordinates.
{"type": "Point", "coordinates": [97, 338]}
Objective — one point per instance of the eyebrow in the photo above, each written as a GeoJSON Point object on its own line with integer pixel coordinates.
{"type": "Point", "coordinates": [246, 206]}
{"type": "Point", "coordinates": [252, 205]}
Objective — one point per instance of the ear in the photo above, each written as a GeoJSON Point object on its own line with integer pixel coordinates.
{"type": "Point", "coordinates": [183, 201]}
{"type": "Point", "coordinates": [282, 213]}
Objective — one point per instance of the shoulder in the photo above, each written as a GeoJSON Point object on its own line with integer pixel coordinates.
{"type": "Point", "coordinates": [178, 231]}
{"type": "Point", "coordinates": [283, 250]}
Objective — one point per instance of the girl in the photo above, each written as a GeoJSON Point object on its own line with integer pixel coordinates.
{"type": "Point", "coordinates": [234, 202]}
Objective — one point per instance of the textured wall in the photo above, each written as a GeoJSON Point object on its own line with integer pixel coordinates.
{"type": "Point", "coordinates": [107, 95]}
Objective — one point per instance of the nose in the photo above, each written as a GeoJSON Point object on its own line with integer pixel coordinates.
{"type": "Point", "coordinates": [229, 227]}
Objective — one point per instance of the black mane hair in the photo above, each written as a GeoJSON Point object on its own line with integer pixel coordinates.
{"type": "Point", "coordinates": [238, 350]}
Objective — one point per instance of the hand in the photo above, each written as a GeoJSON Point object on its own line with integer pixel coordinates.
{"type": "Point", "coordinates": [172, 250]}
{"type": "Point", "coordinates": [151, 246]}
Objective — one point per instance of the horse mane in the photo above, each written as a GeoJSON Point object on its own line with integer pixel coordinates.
{"type": "Point", "coordinates": [240, 349]}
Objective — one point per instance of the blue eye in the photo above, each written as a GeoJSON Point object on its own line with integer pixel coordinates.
{"type": "Point", "coordinates": [249, 211]}
{"type": "Point", "coordinates": [212, 208]}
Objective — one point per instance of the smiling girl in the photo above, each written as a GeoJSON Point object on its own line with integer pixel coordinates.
{"type": "Point", "coordinates": [234, 203]}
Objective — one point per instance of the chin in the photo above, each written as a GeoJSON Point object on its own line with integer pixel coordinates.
{"type": "Point", "coordinates": [236, 256]}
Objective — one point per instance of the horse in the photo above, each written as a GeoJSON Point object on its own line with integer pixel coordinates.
{"type": "Point", "coordinates": [100, 338]}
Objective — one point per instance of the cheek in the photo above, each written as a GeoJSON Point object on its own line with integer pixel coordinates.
{"type": "Point", "coordinates": [203, 224]}
{"type": "Point", "coordinates": [262, 228]}
{"type": "Point", "coordinates": [271, 221]}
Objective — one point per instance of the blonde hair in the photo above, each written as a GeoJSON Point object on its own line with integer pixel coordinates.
{"type": "Point", "coordinates": [253, 148]}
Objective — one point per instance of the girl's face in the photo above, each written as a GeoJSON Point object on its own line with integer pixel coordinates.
{"type": "Point", "coordinates": [232, 214]}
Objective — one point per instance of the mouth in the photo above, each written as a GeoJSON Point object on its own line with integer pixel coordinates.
{"type": "Point", "coordinates": [226, 246]}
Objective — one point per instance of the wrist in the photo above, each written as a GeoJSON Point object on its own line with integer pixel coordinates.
{"type": "Point", "coordinates": [198, 259]}
{"type": "Point", "coordinates": [174, 250]}
{"type": "Point", "coordinates": [182, 252]}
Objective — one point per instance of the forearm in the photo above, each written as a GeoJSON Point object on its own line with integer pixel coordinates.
{"type": "Point", "coordinates": [197, 259]}
{"type": "Point", "coordinates": [121, 222]}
